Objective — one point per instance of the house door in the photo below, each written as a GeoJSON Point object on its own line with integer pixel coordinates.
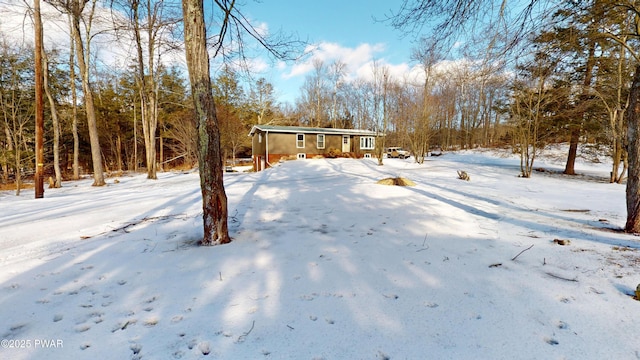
{"type": "Point", "coordinates": [346, 143]}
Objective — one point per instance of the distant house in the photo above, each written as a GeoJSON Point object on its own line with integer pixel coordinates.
{"type": "Point", "coordinates": [271, 144]}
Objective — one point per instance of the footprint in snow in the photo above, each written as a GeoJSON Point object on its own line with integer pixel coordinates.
{"type": "Point", "coordinates": [596, 291]}
{"type": "Point", "coordinates": [191, 344]}
{"type": "Point", "coordinates": [565, 300]}
{"type": "Point", "coordinates": [15, 330]}
{"type": "Point", "coordinates": [562, 325]}
{"type": "Point", "coordinates": [136, 348]}
{"type": "Point", "coordinates": [551, 341]}
{"type": "Point", "coordinates": [152, 321]}
{"type": "Point", "coordinates": [330, 321]}
{"type": "Point", "coordinates": [82, 328]}
{"type": "Point", "coordinates": [204, 347]}
{"type": "Point", "coordinates": [13, 286]}
{"type": "Point", "coordinates": [309, 297]}
{"type": "Point", "coordinates": [150, 300]}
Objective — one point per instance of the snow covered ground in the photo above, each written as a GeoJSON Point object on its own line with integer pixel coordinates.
{"type": "Point", "coordinates": [326, 264]}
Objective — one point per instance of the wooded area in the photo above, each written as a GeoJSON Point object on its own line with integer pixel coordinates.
{"type": "Point", "coordinates": [524, 86]}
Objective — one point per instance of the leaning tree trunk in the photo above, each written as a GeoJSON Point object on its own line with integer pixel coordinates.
{"type": "Point", "coordinates": [214, 199]}
{"type": "Point", "coordinates": [633, 151]}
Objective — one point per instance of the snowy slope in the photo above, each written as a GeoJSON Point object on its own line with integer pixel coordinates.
{"type": "Point", "coordinates": [325, 264]}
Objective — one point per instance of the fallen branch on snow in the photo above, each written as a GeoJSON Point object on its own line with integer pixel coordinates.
{"type": "Point", "coordinates": [560, 277]}
{"type": "Point", "coordinates": [520, 253]}
{"type": "Point", "coordinates": [244, 336]}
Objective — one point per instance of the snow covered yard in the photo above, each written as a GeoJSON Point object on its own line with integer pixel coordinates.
{"type": "Point", "coordinates": [325, 264]}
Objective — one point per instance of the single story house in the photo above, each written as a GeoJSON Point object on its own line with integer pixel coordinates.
{"type": "Point", "coordinates": [271, 144]}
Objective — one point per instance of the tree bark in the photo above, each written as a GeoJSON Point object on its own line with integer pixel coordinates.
{"type": "Point", "coordinates": [147, 85]}
{"type": "Point", "coordinates": [633, 150]}
{"type": "Point", "coordinates": [55, 123]}
{"type": "Point", "coordinates": [74, 105]}
{"type": "Point", "coordinates": [96, 153]}
{"type": "Point", "coordinates": [214, 198]}
{"type": "Point", "coordinates": [39, 106]}
{"type": "Point", "coordinates": [576, 125]}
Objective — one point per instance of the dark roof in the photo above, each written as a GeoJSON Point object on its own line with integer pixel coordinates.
{"type": "Point", "coordinates": [310, 130]}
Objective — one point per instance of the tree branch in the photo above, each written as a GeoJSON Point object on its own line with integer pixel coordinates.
{"type": "Point", "coordinates": [520, 253]}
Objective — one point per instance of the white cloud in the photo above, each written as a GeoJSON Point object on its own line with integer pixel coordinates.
{"type": "Point", "coordinates": [107, 49]}
{"type": "Point", "coordinates": [359, 63]}
{"type": "Point", "coordinates": [17, 24]}
{"type": "Point", "coordinates": [327, 52]}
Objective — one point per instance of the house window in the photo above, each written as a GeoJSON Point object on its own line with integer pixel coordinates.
{"type": "Point", "coordinates": [260, 138]}
{"type": "Point", "coordinates": [367, 143]}
{"type": "Point", "coordinates": [300, 141]}
{"type": "Point", "coordinates": [320, 141]}
{"type": "Point", "coordinates": [302, 156]}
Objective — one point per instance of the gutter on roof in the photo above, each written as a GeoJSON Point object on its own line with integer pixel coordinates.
{"type": "Point", "coordinates": [311, 130]}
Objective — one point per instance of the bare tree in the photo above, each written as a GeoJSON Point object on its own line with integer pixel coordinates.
{"type": "Point", "coordinates": [336, 75]}
{"type": "Point", "coordinates": [428, 55]}
{"type": "Point", "coordinates": [74, 103]}
{"type": "Point", "coordinates": [525, 114]}
{"type": "Point", "coordinates": [16, 107]}
{"type": "Point", "coordinates": [232, 25]}
{"type": "Point", "coordinates": [79, 21]}
{"type": "Point", "coordinates": [262, 100]}
{"type": "Point", "coordinates": [379, 96]}
{"type": "Point", "coordinates": [149, 23]}
{"type": "Point", "coordinates": [616, 102]}
{"type": "Point", "coordinates": [55, 123]}
{"type": "Point", "coordinates": [214, 197]}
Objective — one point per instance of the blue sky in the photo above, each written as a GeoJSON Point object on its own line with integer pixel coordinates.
{"type": "Point", "coordinates": [343, 30]}
{"type": "Point", "coordinates": [338, 30]}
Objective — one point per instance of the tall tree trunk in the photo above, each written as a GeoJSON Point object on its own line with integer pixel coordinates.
{"type": "Point", "coordinates": [39, 108]}
{"type": "Point", "coordinates": [74, 105]}
{"type": "Point", "coordinates": [55, 123]}
{"type": "Point", "coordinates": [119, 152]}
{"type": "Point", "coordinates": [5, 164]}
{"type": "Point", "coordinates": [577, 124]}
{"type": "Point", "coordinates": [633, 151]}
{"type": "Point", "coordinates": [18, 164]}
{"type": "Point", "coordinates": [147, 85]}
{"type": "Point", "coordinates": [214, 198]}
{"type": "Point", "coordinates": [135, 140]}
{"type": "Point", "coordinates": [96, 153]}
{"type": "Point", "coordinates": [160, 147]}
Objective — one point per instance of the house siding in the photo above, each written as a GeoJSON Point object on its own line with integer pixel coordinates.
{"type": "Point", "coordinates": [282, 145]}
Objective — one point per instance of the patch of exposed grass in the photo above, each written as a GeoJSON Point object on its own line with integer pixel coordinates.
{"type": "Point", "coordinates": [397, 181]}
